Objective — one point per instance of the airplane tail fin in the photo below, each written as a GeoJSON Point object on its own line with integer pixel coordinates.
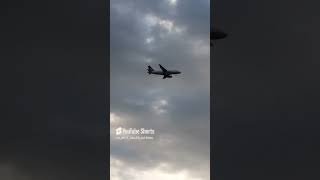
{"type": "Point", "coordinates": [150, 70]}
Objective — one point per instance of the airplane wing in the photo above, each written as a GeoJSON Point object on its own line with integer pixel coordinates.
{"type": "Point", "coordinates": [162, 68]}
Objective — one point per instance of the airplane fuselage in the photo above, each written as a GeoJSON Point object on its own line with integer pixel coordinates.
{"type": "Point", "coordinates": [165, 73]}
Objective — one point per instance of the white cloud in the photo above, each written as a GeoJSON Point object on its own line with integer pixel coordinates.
{"type": "Point", "coordinates": [120, 171]}
{"type": "Point", "coordinates": [166, 24]}
{"type": "Point", "coordinates": [114, 119]}
{"type": "Point", "coordinates": [151, 20]}
{"type": "Point", "coordinates": [149, 40]}
{"type": "Point", "coordinates": [159, 106]}
{"type": "Point", "coordinates": [115, 122]}
{"type": "Point", "coordinates": [172, 2]}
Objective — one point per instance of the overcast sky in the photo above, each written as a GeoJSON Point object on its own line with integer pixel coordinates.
{"type": "Point", "coordinates": [173, 33]}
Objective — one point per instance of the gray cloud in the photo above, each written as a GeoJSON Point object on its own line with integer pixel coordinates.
{"type": "Point", "coordinates": [176, 36]}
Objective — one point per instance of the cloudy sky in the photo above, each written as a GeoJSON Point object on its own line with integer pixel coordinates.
{"type": "Point", "coordinates": [175, 34]}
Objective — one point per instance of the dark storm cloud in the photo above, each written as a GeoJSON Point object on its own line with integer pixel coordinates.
{"type": "Point", "coordinates": [55, 95]}
{"type": "Point", "coordinates": [266, 96]}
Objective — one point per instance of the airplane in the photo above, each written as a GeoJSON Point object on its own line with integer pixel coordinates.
{"type": "Point", "coordinates": [166, 73]}
{"type": "Point", "coordinates": [216, 34]}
